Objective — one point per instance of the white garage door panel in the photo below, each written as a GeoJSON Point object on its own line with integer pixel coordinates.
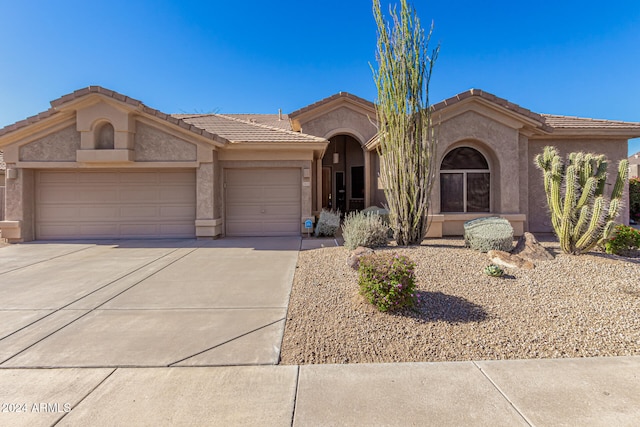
{"type": "Point", "coordinates": [262, 202]}
{"type": "Point", "coordinates": [115, 204]}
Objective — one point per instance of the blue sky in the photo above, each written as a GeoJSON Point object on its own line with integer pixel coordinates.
{"type": "Point", "coordinates": [569, 57]}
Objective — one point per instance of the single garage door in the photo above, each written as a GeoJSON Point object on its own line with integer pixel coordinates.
{"type": "Point", "coordinates": [106, 204]}
{"type": "Point", "coordinates": [262, 202]}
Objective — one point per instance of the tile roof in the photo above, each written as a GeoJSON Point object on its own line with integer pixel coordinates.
{"type": "Point", "coordinates": [3, 166]}
{"type": "Point", "coordinates": [56, 103]}
{"type": "Point", "coordinates": [276, 128]}
{"type": "Point", "coordinates": [570, 122]}
{"type": "Point", "coordinates": [273, 120]}
{"type": "Point", "coordinates": [237, 130]}
{"type": "Point", "coordinates": [338, 95]}
{"type": "Point", "coordinates": [508, 105]}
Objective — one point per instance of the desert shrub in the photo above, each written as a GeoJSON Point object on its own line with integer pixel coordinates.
{"type": "Point", "coordinates": [328, 223]}
{"type": "Point", "coordinates": [361, 229]}
{"type": "Point", "coordinates": [634, 199]}
{"type": "Point", "coordinates": [384, 213]}
{"type": "Point", "coordinates": [485, 234]}
{"type": "Point", "coordinates": [387, 281]}
{"type": "Point", "coordinates": [625, 240]}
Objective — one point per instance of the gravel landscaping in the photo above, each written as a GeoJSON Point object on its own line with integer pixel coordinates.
{"type": "Point", "coordinates": [572, 306]}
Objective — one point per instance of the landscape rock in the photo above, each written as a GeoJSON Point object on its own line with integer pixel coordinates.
{"type": "Point", "coordinates": [529, 248]}
{"type": "Point", "coordinates": [508, 260]}
{"type": "Point", "coordinates": [353, 260]}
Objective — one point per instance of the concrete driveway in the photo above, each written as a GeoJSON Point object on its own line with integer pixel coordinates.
{"type": "Point", "coordinates": [145, 303]}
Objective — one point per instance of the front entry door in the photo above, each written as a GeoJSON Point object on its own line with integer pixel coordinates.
{"type": "Point", "coordinates": [327, 185]}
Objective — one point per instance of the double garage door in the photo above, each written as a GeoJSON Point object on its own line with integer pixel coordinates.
{"type": "Point", "coordinates": [112, 204]}
{"type": "Point", "coordinates": [101, 204]}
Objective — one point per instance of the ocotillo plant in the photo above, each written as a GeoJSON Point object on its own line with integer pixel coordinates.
{"type": "Point", "coordinates": [581, 214]}
{"type": "Point", "coordinates": [407, 142]}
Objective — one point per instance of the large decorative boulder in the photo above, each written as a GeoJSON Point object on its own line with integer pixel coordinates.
{"type": "Point", "coordinates": [505, 259]}
{"type": "Point", "coordinates": [529, 248]}
{"type": "Point", "coordinates": [490, 233]}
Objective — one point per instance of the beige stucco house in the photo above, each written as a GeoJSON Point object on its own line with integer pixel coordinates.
{"type": "Point", "coordinates": [99, 164]}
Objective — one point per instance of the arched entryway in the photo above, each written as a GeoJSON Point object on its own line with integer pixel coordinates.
{"type": "Point", "coordinates": [343, 175]}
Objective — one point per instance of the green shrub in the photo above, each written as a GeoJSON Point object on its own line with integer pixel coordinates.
{"type": "Point", "coordinates": [491, 233]}
{"type": "Point", "coordinates": [361, 229]}
{"type": "Point", "coordinates": [493, 270]}
{"type": "Point", "coordinates": [625, 240]}
{"type": "Point", "coordinates": [634, 199]}
{"type": "Point", "coordinates": [388, 281]}
{"type": "Point", "coordinates": [328, 223]}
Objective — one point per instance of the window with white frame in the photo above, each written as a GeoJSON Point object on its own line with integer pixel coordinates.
{"type": "Point", "coordinates": [464, 181]}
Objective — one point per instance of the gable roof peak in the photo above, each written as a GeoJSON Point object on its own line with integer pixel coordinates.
{"type": "Point", "coordinates": [330, 99]}
{"type": "Point", "coordinates": [57, 108]}
{"type": "Point", "coordinates": [495, 100]}
{"type": "Point", "coordinates": [56, 103]}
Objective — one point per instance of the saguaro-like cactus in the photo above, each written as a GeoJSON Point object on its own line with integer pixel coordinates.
{"type": "Point", "coordinates": [581, 214]}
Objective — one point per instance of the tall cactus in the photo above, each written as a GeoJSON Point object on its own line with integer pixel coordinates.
{"type": "Point", "coordinates": [581, 215]}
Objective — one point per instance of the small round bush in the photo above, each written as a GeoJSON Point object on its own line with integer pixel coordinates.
{"type": "Point", "coordinates": [328, 223]}
{"type": "Point", "coordinates": [361, 229]}
{"type": "Point", "coordinates": [388, 281]}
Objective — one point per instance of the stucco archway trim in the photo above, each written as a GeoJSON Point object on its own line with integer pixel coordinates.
{"type": "Point", "coordinates": [346, 131]}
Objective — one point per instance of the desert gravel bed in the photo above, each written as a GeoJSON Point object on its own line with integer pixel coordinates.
{"type": "Point", "coordinates": [572, 306]}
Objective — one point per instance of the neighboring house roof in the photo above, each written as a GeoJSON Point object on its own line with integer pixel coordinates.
{"type": "Point", "coordinates": [237, 130]}
{"type": "Point", "coordinates": [3, 166]}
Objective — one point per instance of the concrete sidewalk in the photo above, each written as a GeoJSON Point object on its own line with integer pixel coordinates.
{"type": "Point", "coordinates": [568, 392]}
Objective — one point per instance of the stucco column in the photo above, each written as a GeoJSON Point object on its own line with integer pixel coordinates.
{"type": "Point", "coordinates": [367, 177]}
{"type": "Point", "coordinates": [19, 214]}
{"type": "Point", "coordinates": [318, 184]}
{"type": "Point", "coordinates": [207, 224]}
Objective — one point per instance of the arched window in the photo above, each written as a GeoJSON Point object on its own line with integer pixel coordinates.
{"type": "Point", "coordinates": [464, 181]}
{"type": "Point", "coordinates": [104, 137]}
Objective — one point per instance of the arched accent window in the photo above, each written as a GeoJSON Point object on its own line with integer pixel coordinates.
{"type": "Point", "coordinates": [464, 181]}
{"type": "Point", "coordinates": [105, 137]}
